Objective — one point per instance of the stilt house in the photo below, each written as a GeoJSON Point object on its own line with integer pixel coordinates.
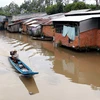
{"type": "Point", "coordinates": [78, 30]}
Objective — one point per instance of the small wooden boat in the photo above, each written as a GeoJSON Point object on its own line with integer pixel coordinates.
{"type": "Point", "coordinates": [22, 67]}
{"type": "Point", "coordinates": [43, 38]}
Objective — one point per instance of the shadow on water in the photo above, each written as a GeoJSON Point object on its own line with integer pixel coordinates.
{"type": "Point", "coordinates": [30, 84]}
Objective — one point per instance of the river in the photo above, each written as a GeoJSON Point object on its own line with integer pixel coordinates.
{"type": "Point", "coordinates": [63, 74]}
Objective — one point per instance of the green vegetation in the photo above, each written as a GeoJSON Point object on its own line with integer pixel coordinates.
{"type": "Point", "coordinates": [53, 9]}
{"type": "Point", "coordinates": [76, 6]}
{"type": "Point", "coordinates": [48, 6]}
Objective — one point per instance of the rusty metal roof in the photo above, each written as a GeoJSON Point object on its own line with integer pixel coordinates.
{"type": "Point", "coordinates": [44, 20]}
{"type": "Point", "coordinates": [27, 16]}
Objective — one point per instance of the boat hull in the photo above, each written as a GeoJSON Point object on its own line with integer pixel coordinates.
{"type": "Point", "coordinates": [43, 38]}
{"type": "Point", "coordinates": [21, 67]}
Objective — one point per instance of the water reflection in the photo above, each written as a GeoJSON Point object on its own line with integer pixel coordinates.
{"type": "Point", "coordinates": [13, 42]}
{"type": "Point", "coordinates": [25, 45]}
{"type": "Point", "coordinates": [18, 44]}
{"type": "Point", "coordinates": [82, 68]}
{"type": "Point", "coordinates": [30, 84]}
{"type": "Point", "coordinates": [29, 48]}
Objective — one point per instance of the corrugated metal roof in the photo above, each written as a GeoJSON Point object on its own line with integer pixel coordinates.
{"type": "Point", "coordinates": [53, 16]}
{"type": "Point", "coordinates": [44, 19]}
{"type": "Point", "coordinates": [11, 24]}
{"type": "Point", "coordinates": [31, 22]}
{"type": "Point", "coordinates": [77, 18]}
{"type": "Point", "coordinates": [25, 16]}
{"type": "Point", "coordinates": [34, 25]}
{"type": "Point", "coordinates": [28, 20]}
{"type": "Point", "coordinates": [77, 12]}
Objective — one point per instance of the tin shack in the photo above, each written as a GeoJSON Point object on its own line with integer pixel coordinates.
{"type": "Point", "coordinates": [2, 22]}
{"type": "Point", "coordinates": [78, 30]}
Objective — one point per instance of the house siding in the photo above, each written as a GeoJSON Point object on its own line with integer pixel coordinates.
{"type": "Point", "coordinates": [98, 38]}
{"type": "Point", "coordinates": [88, 25]}
{"type": "Point", "coordinates": [24, 27]}
{"type": "Point", "coordinates": [48, 30]}
{"type": "Point", "coordinates": [88, 38]}
{"type": "Point", "coordinates": [5, 25]}
{"type": "Point", "coordinates": [65, 40]}
{"type": "Point", "coordinates": [89, 35]}
{"type": "Point", "coordinates": [85, 39]}
{"type": "Point", "coordinates": [60, 39]}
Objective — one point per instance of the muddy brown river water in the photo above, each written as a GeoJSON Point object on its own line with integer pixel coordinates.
{"type": "Point", "coordinates": [63, 74]}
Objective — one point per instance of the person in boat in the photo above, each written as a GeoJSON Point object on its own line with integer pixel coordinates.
{"type": "Point", "coordinates": [14, 55]}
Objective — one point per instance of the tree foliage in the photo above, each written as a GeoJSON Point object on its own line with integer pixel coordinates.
{"type": "Point", "coordinates": [48, 6]}
{"type": "Point", "coordinates": [78, 5]}
{"type": "Point", "coordinates": [57, 8]}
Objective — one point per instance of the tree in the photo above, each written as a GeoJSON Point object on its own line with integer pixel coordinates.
{"type": "Point", "coordinates": [97, 2]}
{"type": "Point", "coordinates": [1, 11]}
{"type": "Point", "coordinates": [26, 6]}
{"type": "Point", "coordinates": [59, 1]}
{"type": "Point", "coordinates": [75, 6]}
{"type": "Point", "coordinates": [57, 8]}
{"type": "Point", "coordinates": [75, 0]}
{"type": "Point", "coordinates": [67, 7]}
{"type": "Point", "coordinates": [11, 9]}
{"type": "Point", "coordinates": [47, 3]}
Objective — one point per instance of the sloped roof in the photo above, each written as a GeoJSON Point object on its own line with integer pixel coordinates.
{"type": "Point", "coordinates": [77, 18]}
{"type": "Point", "coordinates": [44, 20]}
{"type": "Point", "coordinates": [26, 16]}
{"type": "Point", "coordinates": [34, 25]}
{"type": "Point", "coordinates": [53, 16]}
{"type": "Point", "coordinates": [31, 22]}
{"type": "Point", "coordinates": [11, 24]}
{"type": "Point", "coordinates": [79, 12]}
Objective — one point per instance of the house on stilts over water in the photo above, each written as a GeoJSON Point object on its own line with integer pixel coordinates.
{"type": "Point", "coordinates": [78, 30]}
